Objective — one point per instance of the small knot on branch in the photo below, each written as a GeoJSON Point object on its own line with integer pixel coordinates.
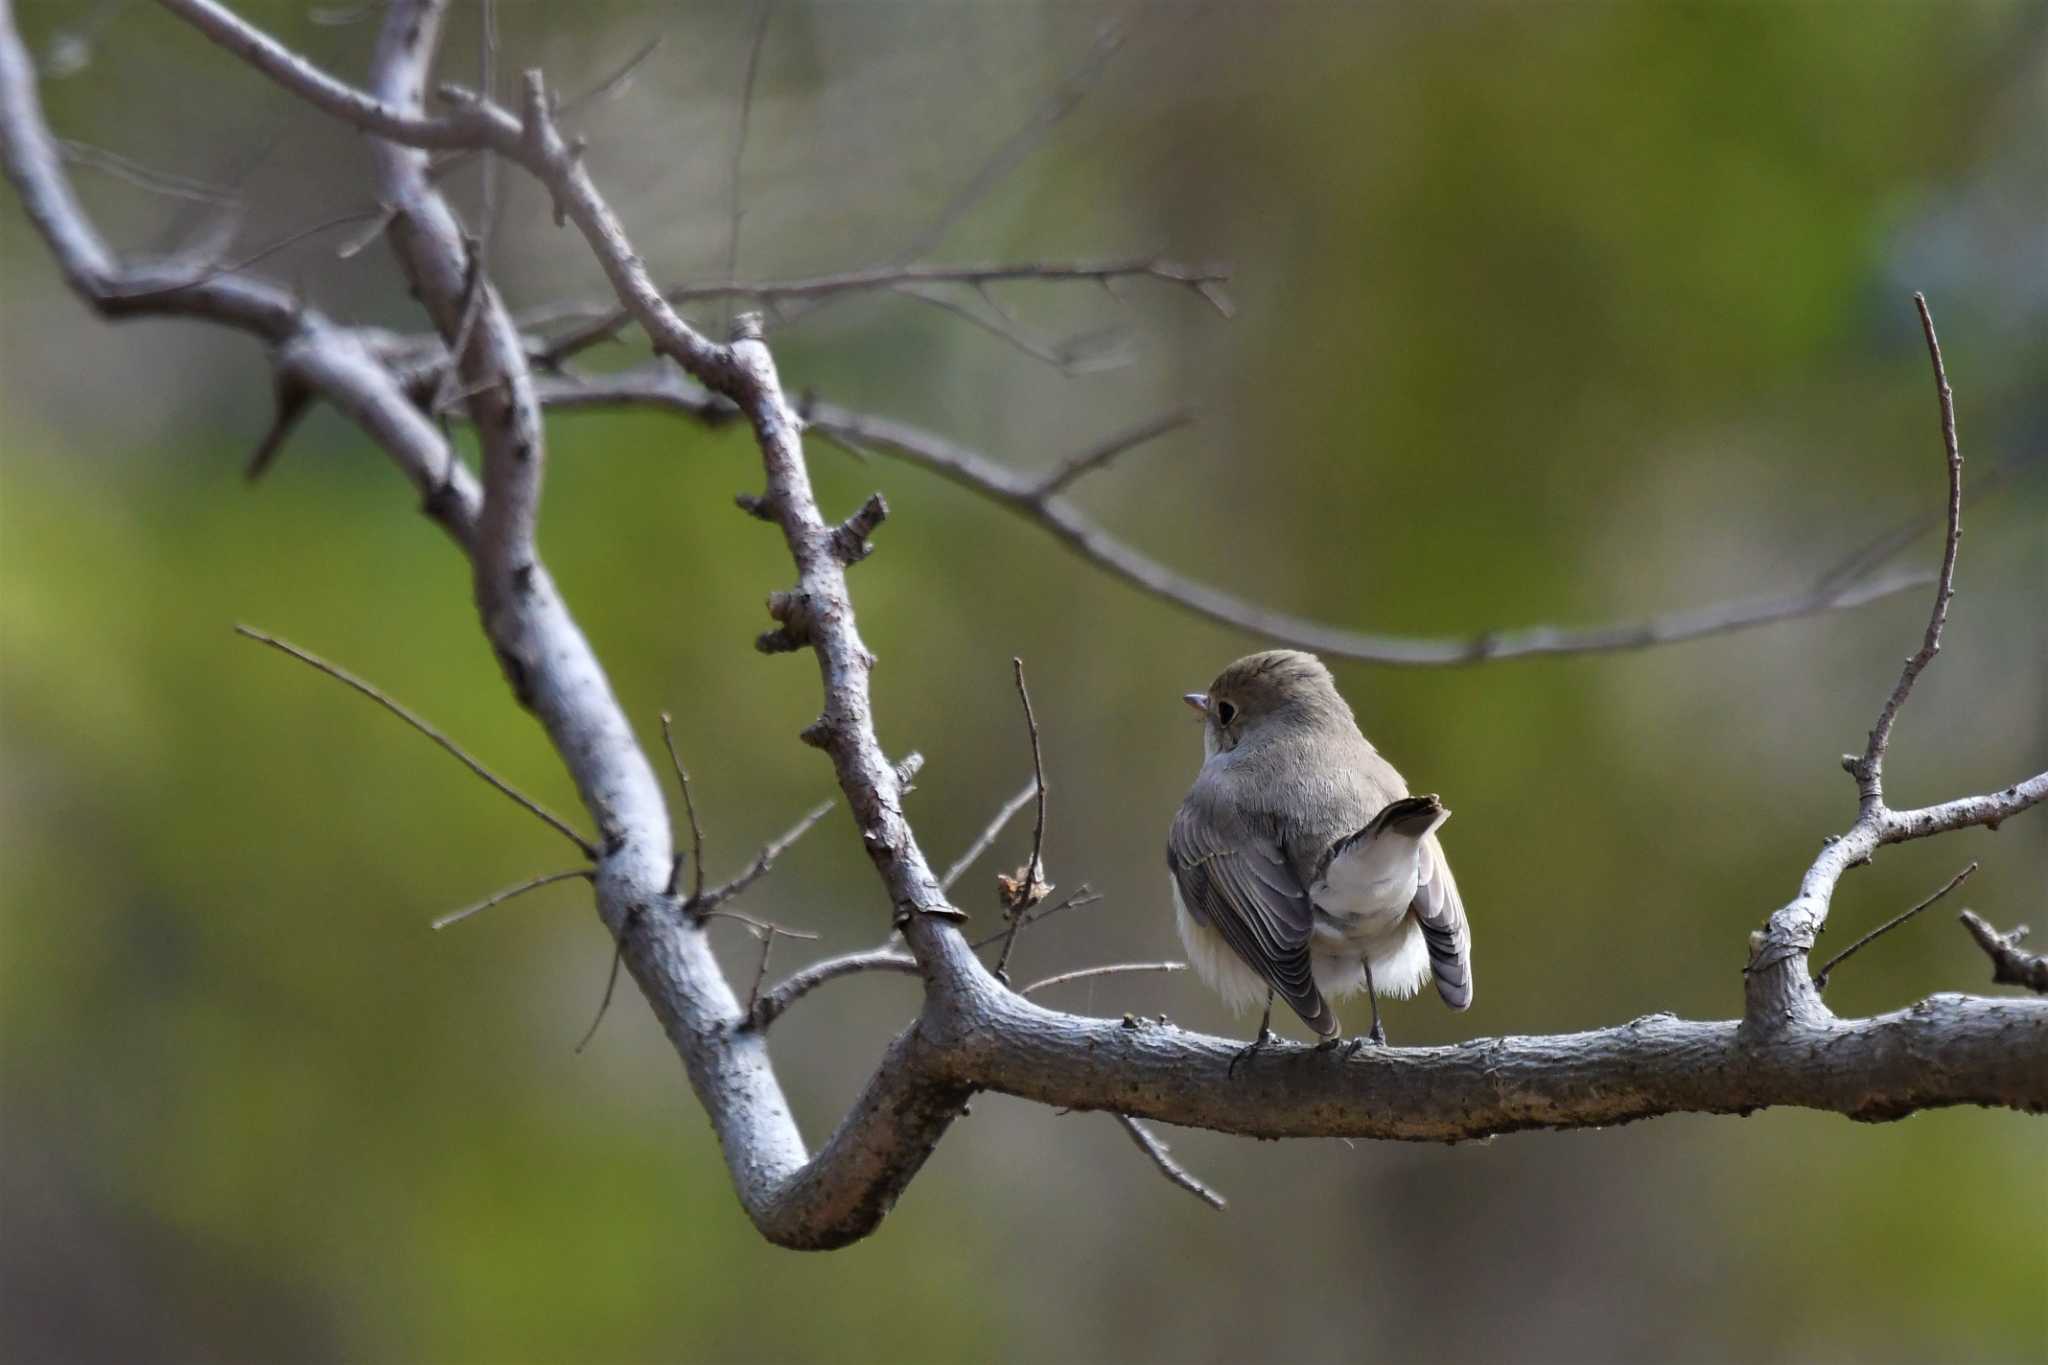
{"type": "Point", "coordinates": [818, 734]}
{"type": "Point", "coordinates": [755, 506]}
{"type": "Point", "coordinates": [746, 327]}
{"type": "Point", "coordinates": [850, 542]}
{"type": "Point", "coordinates": [793, 611]}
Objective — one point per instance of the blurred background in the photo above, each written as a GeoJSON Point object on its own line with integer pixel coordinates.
{"type": "Point", "coordinates": [1563, 314]}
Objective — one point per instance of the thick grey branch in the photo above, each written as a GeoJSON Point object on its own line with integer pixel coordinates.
{"type": "Point", "coordinates": [1992, 1052]}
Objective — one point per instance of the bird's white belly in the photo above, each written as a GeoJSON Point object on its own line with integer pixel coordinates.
{"type": "Point", "coordinates": [1362, 916]}
{"type": "Point", "coordinates": [1364, 897]}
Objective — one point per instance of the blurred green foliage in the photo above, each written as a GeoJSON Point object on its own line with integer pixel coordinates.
{"type": "Point", "coordinates": [1547, 313]}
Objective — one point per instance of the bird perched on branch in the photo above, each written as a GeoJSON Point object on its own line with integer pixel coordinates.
{"type": "Point", "coordinates": [1301, 865]}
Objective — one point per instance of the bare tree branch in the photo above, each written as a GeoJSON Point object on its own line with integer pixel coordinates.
{"type": "Point", "coordinates": [1016, 149]}
{"type": "Point", "coordinates": [989, 834]}
{"type": "Point", "coordinates": [412, 718]}
{"type": "Point", "coordinates": [1162, 1157]}
{"type": "Point", "coordinates": [661, 388]}
{"type": "Point", "coordinates": [1029, 886]}
{"type": "Point", "coordinates": [2009, 966]}
{"type": "Point", "coordinates": [1088, 461]}
{"type": "Point", "coordinates": [500, 897]}
{"type": "Point", "coordinates": [1779, 994]}
{"type": "Point", "coordinates": [143, 177]}
{"type": "Point", "coordinates": [1820, 978]}
{"type": "Point", "coordinates": [599, 324]}
{"type": "Point", "coordinates": [1080, 896]}
{"type": "Point", "coordinates": [1991, 1052]}
{"type": "Point", "coordinates": [1869, 770]}
{"type": "Point", "coordinates": [1113, 969]}
{"type": "Point", "coordinates": [668, 738]}
{"type": "Point", "coordinates": [764, 10]}
{"type": "Point", "coordinates": [771, 1005]}
{"type": "Point", "coordinates": [764, 861]}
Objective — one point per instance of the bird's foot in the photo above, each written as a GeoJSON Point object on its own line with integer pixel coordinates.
{"type": "Point", "coordinates": [1377, 1038]}
{"type": "Point", "coordinates": [1267, 1038]}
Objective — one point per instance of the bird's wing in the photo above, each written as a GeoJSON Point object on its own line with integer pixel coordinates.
{"type": "Point", "coordinates": [1237, 881]}
{"type": "Point", "coordinates": [1440, 910]}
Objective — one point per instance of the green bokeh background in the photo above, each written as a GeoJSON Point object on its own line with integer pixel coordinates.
{"type": "Point", "coordinates": [1564, 313]}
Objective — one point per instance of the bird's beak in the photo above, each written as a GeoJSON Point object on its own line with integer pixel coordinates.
{"type": "Point", "coordinates": [1198, 700]}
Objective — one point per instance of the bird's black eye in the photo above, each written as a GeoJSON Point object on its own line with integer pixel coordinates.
{"type": "Point", "coordinates": [1225, 713]}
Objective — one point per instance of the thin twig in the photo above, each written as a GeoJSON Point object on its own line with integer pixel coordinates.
{"type": "Point", "coordinates": [661, 387]}
{"type": "Point", "coordinates": [1168, 1167]}
{"type": "Point", "coordinates": [1016, 149]}
{"type": "Point", "coordinates": [500, 897]}
{"type": "Point", "coordinates": [612, 83]}
{"type": "Point", "coordinates": [1084, 894]}
{"type": "Point", "coordinates": [1089, 461]}
{"type": "Point", "coordinates": [756, 925]}
{"type": "Point", "coordinates": [762, 11]}
{"type": "Point", "coordinates": [1113, 969]}
{"type": "Point", "coordinates": [1880, 548]}
{"type": "Point", "coordinates": [1869, 770]}
{"type": "Point", "coordinates": [2009, 965]}
{"type": "Point", "coordinates": [706, 901]}
{"type": "Point", "coordinates": [611, 983]}
{"type": "Point", "coordinates": [1009, 154]}
{"type": "Point", "coordinates": [770, 1006]}
{"type": "Point", "coordinates": [462, 755]}
{"type": "Point", "coordinates": [760, 973]}
{"type": "Point", "coordinates": [982, 474]}
{"type": "Point", "coordinates": [143, 177]}
{"type": "Point", "coordinates": [989, 834]}
{"type": "Point", "coordinates": [1083, 353]}
{"type": "Point", "coordinates": [690, 808]}
{"type": "Point", "coordinates": [1820, 978]}
{"type": "Point", "coordinates": [597, 324]}
{"type": "Point", "coordinates": [261, 254]}
{"type": "Point", "coordinates": [1029, 887]}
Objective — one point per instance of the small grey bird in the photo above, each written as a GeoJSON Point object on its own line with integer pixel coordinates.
{"type": "Point", "coordinates": [1301, 865]}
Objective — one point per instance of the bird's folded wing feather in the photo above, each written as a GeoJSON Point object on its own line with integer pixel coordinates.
{"type": "Point", "coordinates": [1440, 911]}
{"type": "Point", "coordinates": [1238, 882]}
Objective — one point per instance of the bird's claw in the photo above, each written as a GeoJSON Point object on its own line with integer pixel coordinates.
{"type": "Point", "coordinates": [1377, 1038]}
{"type": "Point", "coordinates": [1267, 1038]}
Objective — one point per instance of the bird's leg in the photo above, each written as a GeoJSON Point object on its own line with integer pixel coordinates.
{"type": "Point", "coordinates": [1378, 1036]}
{"type": "Point", "coordinates": [1266, 1036]}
